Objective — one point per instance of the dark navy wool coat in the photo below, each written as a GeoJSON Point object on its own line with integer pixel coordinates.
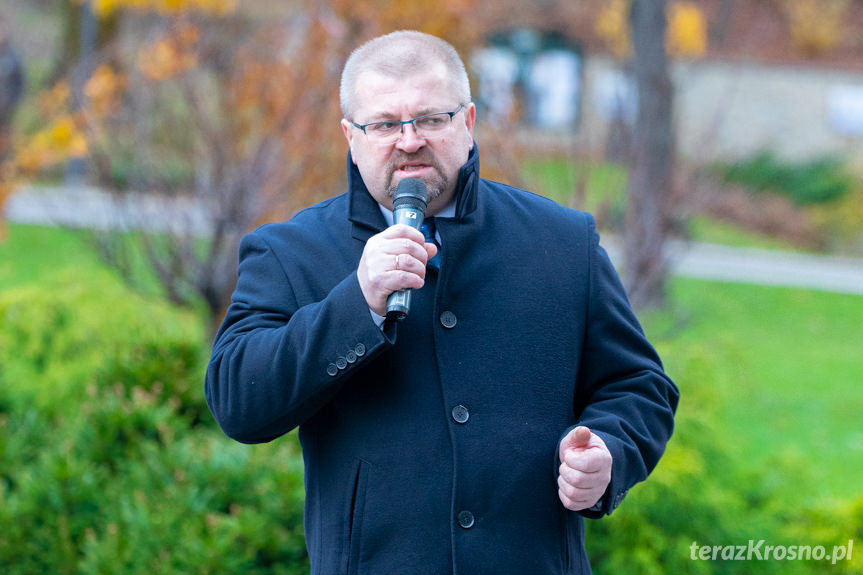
{"type": "Point", "coordinates": [430, 446]}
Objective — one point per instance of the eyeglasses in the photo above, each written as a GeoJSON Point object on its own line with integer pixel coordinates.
{"type": "Point", "coordinates": [427, 126]}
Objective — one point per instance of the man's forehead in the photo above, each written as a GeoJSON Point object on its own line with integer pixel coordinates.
{"type": "Point", "coordinates": [372, 78]}
{"type": "Point", "coordinates": [423, 91]}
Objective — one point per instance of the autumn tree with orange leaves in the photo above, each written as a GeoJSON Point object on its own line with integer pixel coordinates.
{"type": "Point", "coordinates": [205, 118]}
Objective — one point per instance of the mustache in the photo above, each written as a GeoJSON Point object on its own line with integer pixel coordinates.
{"type": "Point", "coordinates": [423, 156]}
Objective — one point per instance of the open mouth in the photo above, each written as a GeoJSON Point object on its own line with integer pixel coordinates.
{"type": "Point", "coordinates": [412, 167]}
{"type": "Point", "coordinates": [421, 165]}
{"type": "Point", "coordinates": [413, 171]}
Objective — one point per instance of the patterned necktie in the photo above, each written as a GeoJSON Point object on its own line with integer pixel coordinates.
{"type": "Point", "coordinates": [428, 229]}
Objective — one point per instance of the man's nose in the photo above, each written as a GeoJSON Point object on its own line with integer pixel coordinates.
{"type": "Point", "coordinates": [410, 141]}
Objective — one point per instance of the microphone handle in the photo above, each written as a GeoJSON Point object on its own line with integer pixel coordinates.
{"type": "Point", "coordinates": [399, 302]}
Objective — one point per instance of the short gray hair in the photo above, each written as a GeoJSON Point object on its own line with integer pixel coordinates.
{"type": "Point", "coordinates": [398, 54]}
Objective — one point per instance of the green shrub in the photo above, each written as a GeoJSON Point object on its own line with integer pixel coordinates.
{"type": "Point", "coordinates": [109, 462]}
{"type": "Point", "coordinates": [58, 339]}
{"type": "Point", "coordinates": [203, 505]}
{"type": "Point", "coordinates": [177, 502]}
{"type": "Point", "coordinates": [814, 182]}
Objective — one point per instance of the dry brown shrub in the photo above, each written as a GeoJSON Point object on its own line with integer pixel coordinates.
{"type": "Point", "coordinates": [764, 213]}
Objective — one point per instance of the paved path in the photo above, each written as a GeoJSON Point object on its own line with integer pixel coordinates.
{"type": "Point", "coordinates": [759, 266]}
{"type": "Point", "coordinates": [88, 207]}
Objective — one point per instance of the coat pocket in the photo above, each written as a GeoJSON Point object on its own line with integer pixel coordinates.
{"type": "Point", "coordinates": [355, 516]}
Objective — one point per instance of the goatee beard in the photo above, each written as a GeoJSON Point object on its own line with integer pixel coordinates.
{"type": "Point", "coordinates": [434, 188]}
{"type": "Point", "coordinates": [435, 184]}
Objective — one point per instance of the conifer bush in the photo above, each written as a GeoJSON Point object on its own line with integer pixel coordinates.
{"type": "Point", "coordinates": [109, 460]}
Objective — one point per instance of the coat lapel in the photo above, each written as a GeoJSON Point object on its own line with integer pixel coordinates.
{"type": "Point", "coordinates": [365, 214]}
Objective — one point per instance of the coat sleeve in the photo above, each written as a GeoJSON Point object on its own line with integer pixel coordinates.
{"type": "Point", "coordinates": [623, 394]}
{"type": "Point", "coordinates": [275, 363]}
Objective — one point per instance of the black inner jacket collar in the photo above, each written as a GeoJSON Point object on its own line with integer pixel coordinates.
{"type": "Point", "coordinates": [363, 210]}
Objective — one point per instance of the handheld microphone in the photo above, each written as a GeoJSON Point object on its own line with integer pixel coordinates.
{"type": "Point", "coordinates": [409, 208]}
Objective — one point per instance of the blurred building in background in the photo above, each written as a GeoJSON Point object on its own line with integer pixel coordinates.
{"type": "Point", "coordinates": [784, 77]}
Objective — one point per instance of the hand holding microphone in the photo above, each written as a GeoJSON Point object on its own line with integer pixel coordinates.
{"type": "Point", "coordinates": [409, 208]}
{"type": "Point", "coordinates": [394, 261]}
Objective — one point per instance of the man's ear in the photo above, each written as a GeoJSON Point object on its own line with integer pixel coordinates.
{"type": "Point", "coordinates": [470, 120]}
{"type": "Point", "coordinates": [347, 130]}
{"type": "Point", "coordinates": [470, 116]}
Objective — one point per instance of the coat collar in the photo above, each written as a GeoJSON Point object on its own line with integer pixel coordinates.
{"type": "Point", "coordinates": [365, 214]}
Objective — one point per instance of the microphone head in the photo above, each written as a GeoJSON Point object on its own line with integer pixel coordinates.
{"type": "Point", "coordinates": [411, 193]}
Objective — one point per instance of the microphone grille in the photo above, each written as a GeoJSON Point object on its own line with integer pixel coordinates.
{"type": "Point", "coordinates": [411, 193]}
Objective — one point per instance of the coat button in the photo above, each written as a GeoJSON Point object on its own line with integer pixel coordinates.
{"type": "Point", "coordinates": [332, 370]}
{"type": "Point", "coordinates": [351, 356]}
{"type": "Point", "coordinates": [448, 319]}
{"type": "Point", "coordinates": [360, 350]}
{"type": "Point", "coordinates": [465, 519]}
{"type": "Point", "coordinates": [341, 363]}
{"type": "Point", "coordinates": [460, 414]}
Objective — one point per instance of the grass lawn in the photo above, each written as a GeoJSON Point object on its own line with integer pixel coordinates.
{"type": "Point", "coordinates": [30, 254]}
{"type": "Point", "coordinates": [785, 364]}
{"type": "Point", "coordinates": [602, 186]}
{"type": "Point", "coordinates": [787, 369]}
{"type": "Point", "coordinates": [712, 231]}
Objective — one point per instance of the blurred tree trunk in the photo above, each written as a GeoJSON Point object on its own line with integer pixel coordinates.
{"type": "Point", "coordinates": [73, 15]}
{"type": "Point", "coordinates": [719, 29]}
{"type": "Point", "coordinates": [646, 269]}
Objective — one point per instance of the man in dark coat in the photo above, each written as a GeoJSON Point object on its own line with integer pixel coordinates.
{"type": "Point", "coordinates": [519, 394]}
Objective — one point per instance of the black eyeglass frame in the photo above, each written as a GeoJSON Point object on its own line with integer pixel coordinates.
{"type": "Point", "coordinates": [411, 121]}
